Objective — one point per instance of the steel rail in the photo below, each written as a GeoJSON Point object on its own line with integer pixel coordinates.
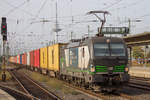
{"type": "Point", "coordinates": [19, 95]}
{"type": "Point", "coordinates": [45, 90]}
{"type": "Point", "coordinates": [140, 79]}
{"type": "Point", "coordinates": [140, 83]}
{"type": "Point", "coordinates": [139, 86]}
{"type": "Point", "coordinates": [25, 90]}
{"type": "Point", "coordinates": [127, 96]}
{"type": "Point", "coordinates": [87, 91]}
{"type": "Point", "coordinates": [96, 95]}
{"type": "Point", "coordinates": [26, 77]}
{"type": "Point", "coordinates": [99, 95]}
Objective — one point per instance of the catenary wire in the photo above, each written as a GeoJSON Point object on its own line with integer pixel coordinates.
{"type": "Point", "coordinates": [15, 8]}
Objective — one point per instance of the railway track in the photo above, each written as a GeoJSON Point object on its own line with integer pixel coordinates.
{"type": "Point", "coordinates": [84, 91]}
{"type": "Point", "coordinates": [18, 95]}
{"type": "Point", "coordinates": [101, 95]}
{"type": "Point", "coordinates": [98, 95]}
{"type": "Point", "coordinates": [140, 79]}
{"type": "Point", "coordinates": [140, 83]}
{"type": "Point", "coordinates": [30, 87]}
{"type": "Point", "coordinates": [136, 83]}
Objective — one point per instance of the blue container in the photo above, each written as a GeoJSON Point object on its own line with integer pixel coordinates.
{"type": "Point", "coordinates": [20, 59]}
{"type": "Point", "coordinates": [73, 57]}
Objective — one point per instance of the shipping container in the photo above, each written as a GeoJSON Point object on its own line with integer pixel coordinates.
{"type": "Point", "coordinates": [25, 58]}
{"type": "Point", "coordinates": [53, 57]}
{"type": "Point", "coordinates": [50, 58]}
{"type": "Point", "coordinates": [32, 58]}
{"type": "Point", "coordinates": [12, 59]}
{"type": "Point", "coordinates": [15, 59]}
{"type": "Point", "coordinates": [28, 59]}
{"type": "Point", "coordinates": [37, 58]}
{"type": "Point", "coordinates": [20, 58]}
{"type": "Point", "coordinates": [43, 58]}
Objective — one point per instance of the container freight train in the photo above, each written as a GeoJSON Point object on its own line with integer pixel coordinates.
{"type": "Point", "coordinates": [96, 62]}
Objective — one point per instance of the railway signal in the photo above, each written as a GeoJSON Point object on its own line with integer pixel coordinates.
{"type": "Point", "coordinates": [4, 29]}
{"type": "Point", "coordinates": [4, 36]}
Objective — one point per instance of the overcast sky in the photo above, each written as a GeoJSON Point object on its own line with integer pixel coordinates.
{"type": "Point", "coordinates": [27, 31]}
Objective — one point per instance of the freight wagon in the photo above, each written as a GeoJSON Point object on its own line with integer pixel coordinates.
{"type": "Point", "coordinates": [36, 60]}
{"type": "Point", "coordinates": [84, 62]}
{"type": "Point", "coordinates": [32, 59]}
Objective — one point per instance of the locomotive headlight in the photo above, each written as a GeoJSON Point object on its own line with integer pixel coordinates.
{"type": "Point", "coordinates": [126, 69]}
{"type": "Point", "coordinates": [92, 69]}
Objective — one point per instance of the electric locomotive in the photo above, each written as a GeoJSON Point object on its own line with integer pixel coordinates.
{"type": "Point", "coordinates": [95, 62]}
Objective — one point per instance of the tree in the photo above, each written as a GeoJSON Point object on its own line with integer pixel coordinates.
{"type": "Point", "coordinates": [138, 52]}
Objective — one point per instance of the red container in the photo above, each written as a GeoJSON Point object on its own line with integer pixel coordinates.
{"type": "Point", "coordinates": [37, 58]}
{"type": "Point", "coordinates": [32, 58]}
{"type": "Point", "coordinates": [25, 58]}
{"type": "Point", "coordinates": [18, 59]}
{"type": "Point", "coordinates": [15, 59]}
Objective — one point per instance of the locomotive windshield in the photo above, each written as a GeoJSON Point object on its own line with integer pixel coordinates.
{"type": "Point", "coordinates": [117, 49]}
{"type": "Point", "coordinates": [101, 49]}
{"type": "Point", "coordinates": [111, 49]}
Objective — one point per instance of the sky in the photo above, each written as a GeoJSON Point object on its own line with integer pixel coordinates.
{"type": "Point", "coordinates": [27, 31]}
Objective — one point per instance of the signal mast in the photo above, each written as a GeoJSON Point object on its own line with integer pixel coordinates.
{"type": "Point", "coordinates": [4, 36]}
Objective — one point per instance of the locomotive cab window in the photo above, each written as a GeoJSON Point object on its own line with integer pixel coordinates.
{"type": "Point", "coordinates": [117, 49]}
{"type": "Point", "coordinates": [101, 49]}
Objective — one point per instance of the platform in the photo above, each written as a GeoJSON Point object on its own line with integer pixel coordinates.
{"type": "Point", "coordinates": [5, 96]}
{"type": "Point", "coordinates": [140, 71]}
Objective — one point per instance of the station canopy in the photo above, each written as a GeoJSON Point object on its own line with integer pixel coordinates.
{"type": "Point", "coordinates": [138, 39]}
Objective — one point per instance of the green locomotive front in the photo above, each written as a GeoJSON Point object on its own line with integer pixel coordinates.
{"type": "Point", "coordinates": [95, 61]}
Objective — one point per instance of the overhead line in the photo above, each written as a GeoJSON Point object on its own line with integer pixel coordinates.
{"type": "Point", "coordinates": [12, 10]}
{"type": "Point", "coordinates": [117, 2]}
{"type": "Point", "coordinates": [41, 8]}
{"type": "Point", "coordinates": [16, 7]}
{"type": "Point", "coordinates": [129, 5]}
